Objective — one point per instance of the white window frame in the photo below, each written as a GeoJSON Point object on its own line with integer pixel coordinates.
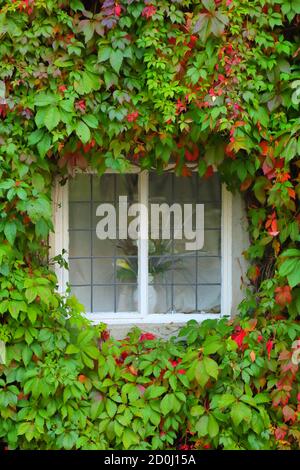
{"type": "Point", "coordinates": [59, 241]}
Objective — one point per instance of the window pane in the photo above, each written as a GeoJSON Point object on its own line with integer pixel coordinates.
{"type": "Point", "coordinates": [83, 294]}
{"type": "Point", "coordinates": [185, 299]}
{"type": "Point", "coordinates": [103, 271]}
{"type": "Point", "coordinates": [209, 299]}
{"type": "Point", "coordinates": [212, 215]}
{"type": "Point", "coordinates": [108, 262]}
{"type": "Point", "coordinates": [208, 270]}
{"type": "Point", "coordinates": [160, 298]}
{"type": "Point", "coordinates": [127, 298]}
{"type": "Point", "coordinates": [209, 189]}
{"type": "Point", "coordinates": [104, 188]}
{"type": "Point", "coordinates": [80, 188]}
{"type": "Point", "coordinates": [127, 269]}
{"type": "Point", "coordinates": [80, 244]}
{"type": "Point", "coordinates": [176, 271]}
{"type": "Point", "coordinates": [80, 271]}
{"type": "Point", "coordinates": [103, 299]}
{"type": "Point", "coordinates": [127, 185]}
{"type": "Point", "coordinates": [79, 215]}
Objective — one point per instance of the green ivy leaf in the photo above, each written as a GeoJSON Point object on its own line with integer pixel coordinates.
{"type": "Point", "coordinates": [240, 412]}
{"type": "Point", "coordinates": [83, 132]}
{"type": "Point", "coordinates": [10, 231]}
{"type": "Point", "coordinates": [212, 426]}
{"type": "Point", "coordinates": [116, 59]}
{"type": "Point", "coordinates": [52, 118]}
{"type": "Point", "coordinates": [211, 367]}
{"type": "Point", "coordinates": [167, 403]}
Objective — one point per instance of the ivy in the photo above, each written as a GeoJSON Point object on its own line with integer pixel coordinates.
{"type": "Point", "coordinates": [109, 84]}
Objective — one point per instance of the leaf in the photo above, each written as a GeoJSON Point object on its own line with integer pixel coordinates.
{"type": "Point", "coordinates": [52, 118]}
{"type": "Point", "coordinates": [38, 182]}
{"type": "Point", "coordinates": [287, 267]}
{"type": "Point", "coordinates": [116, 59]}
{"type": "Point", "coordinates": [212, 426]}
{"type": "Point", "coordinates": [294, 277]}
{"type": "Point", "coordinates": [104, 53]}
{"type": "Point", "coordinates": [211, 345]}
{"type": "Point", "coordinates": [202, 426]}
{"type": "Point", "coordinates": [90, 120]}
{"type": "Point", "coordinates": [2, 89]}
{"type": "Point", "coordinates": [209, 4]}
{"type": "Point", "coordinates": [35, 136]}
{"type": "Point", "coordinates": [83, 132]}
{"type": "Point", "coordinates": [211, 367]}
{"type": "Point", "coordinates": [72, 349]}
{"type": "Point", "coordinates": [203, 26]}
{"type": "Point", "coordinates": [201, 375]}
{"type": "Point", "coordinates": [10, 231]}
{"type": "Point", "coordinates": [197, 410]}
{"type": "Point", "coordinates": [290, 150]}
{"type": "Point", "coordinates": [26, 355]}
{"type": "Point", "coordinates": [167, 404]}
{"type": "Point", "coordinates": [111, 408]}
{"type": "Point", "coordinates": [76, 5]}
{"type": "Point", "coordinates": [154, 391]}
{"type": "Point", "coordinates": [44, 99]}
{"type": "Point", "coordinates": [240, 412]}
{"type": "Point", "coordinates": [226, 400]}
{"type": "Point", "coordinates": [129, 438]}
{"type": "Point", "coordinates": [44, 145]}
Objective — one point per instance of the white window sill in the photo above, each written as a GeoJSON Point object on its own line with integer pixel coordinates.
{"type": "Point", "coordinates": [151, 319]}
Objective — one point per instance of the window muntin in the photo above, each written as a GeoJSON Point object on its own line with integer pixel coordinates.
{"type": "Point", "coordinates": [95, 272]}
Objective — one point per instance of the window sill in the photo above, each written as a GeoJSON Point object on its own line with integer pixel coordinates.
{"type": "Point", "coordinates": [151, 319]}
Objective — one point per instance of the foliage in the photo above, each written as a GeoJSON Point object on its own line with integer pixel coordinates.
{"type": "Point", "coordinates": [107, 84]}
{"type": "Point", "coordinates": [221, 385]}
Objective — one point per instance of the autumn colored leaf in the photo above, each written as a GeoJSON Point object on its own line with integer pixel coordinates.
{"type": "Point", "coordinates": [283, 295]}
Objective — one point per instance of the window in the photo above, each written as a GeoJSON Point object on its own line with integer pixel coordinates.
{"type": "Point", "coordinates": [120, 275]}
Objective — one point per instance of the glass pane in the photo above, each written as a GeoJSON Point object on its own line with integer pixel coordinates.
{"type": "Point", "coordinates": [127, 269]}
{"type": "Point", "coordinates": [209, 189]}
{"type": "Point", "coordinates": [80, 243]}
{"type": "Point", "coordinates": [104, 188]}
{"type": "Point", "coordinates": [160, 269]}
{"type": "Point", "coordinates": [212, 215]}
{"type": "Point", "coordinates": [209, 299]}
{"type": "Point", "coordinates": [127, 298]}
{"type": "Point", "coordinates": [103, 271]}
{"type": "Point", "coordinates": [184, 299]}
{"type": "Point", "coordinates": [79, 215]}
{"type": "Point", "coordinates": [103, 299]}
{"type": "Point", "coordinates": [209, 270]}
{"type": "Point", "coordinates": [83, 294]}
{"type": "Point", "coordinates": [211, 247]}
{"type": "Point", "coordinates": [80, 188]}
{"type": "Point", "coordinates": [170, 260]}
{"type": "Point", "coordinates": [127, 185]}
{"type": "Point", "coordinates": [103, 247]}
{"type": "Point", "coordinates": [184, 269]}
{"type": "Point", "coordinates": [185, 188]}
{"type": "Point", "coordinates": [160, 298]}
{"type": "Point", "coordinates": [80, 271]}
{"type": "Point", "coordinates": [160, 188]}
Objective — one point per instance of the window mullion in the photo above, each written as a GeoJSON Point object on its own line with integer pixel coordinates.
{"type": "Point", "coordinates": [143, 244]}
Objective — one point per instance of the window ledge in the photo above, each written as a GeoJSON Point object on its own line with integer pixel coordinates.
{"type": "Point", "coordinates": [151, 319]}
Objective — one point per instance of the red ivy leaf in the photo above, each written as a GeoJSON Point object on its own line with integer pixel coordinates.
{"type": "Point", "coordinates": [283, 295]}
